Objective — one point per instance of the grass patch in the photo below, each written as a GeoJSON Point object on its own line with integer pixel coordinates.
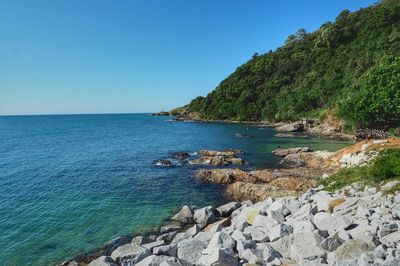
{"type": "Point", "coordinates": [385, 167]}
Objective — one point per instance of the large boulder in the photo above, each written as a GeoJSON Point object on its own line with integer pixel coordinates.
{"type": "Point", "coordinates": [225, 176]}
{"type": "Point", "coordinates": [167, 250]}
{"type": "Point", "coordinates": [152, 260]}
{"type": "Point", "coordinates": [103, 261]}
{"type": "Point", "coordinates": [185, 215]}
{"type": "Point", "coordinates": [227, 209]}
{"type": "Point", "coordinates": [127, 251]}
{"type": "Point", "coordinates": [307, 246]}
{"type": "Point", "coordinates": [189, 250]}
{"type": "Point", "coordinates": [331, 222]}
{"type": "Point", "coordinates": [348, 252]}
{"type": "Point", "coordinates": [130, 261]}
{"type": "Point", "coordinates": [220, 257]}
{"type": "Point", "coordinates": [279, 231]}
{"type": "Point", "coordinates": [281, 152]}
{"type": "Point", "coordinates": [205, 216]}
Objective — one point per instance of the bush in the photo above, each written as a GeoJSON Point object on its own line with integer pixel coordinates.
{"type": "Point", "coordinates": [386, 166]}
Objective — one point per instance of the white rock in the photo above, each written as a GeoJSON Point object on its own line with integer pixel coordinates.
{"type": "Point", "coordinates": [279, 231]}
{"type": "Point", "coordinates": [331, 243]}
{"type": "Point", "coordinates": [280, 207]}
{"type": "Point", "coordinates": [219, 257]}
{"type": "Point", "coordinates": [331, 222]}
{"type": "Point", "coordinates": [305, 213]}
{"type": "Point", "coordinates": [269, 253]}
{"type": "Point", "coordinates": [151, 245]}
{"type": "Point", "coordinates": [152, 260]}
{"type": "Point", "coordinates": [323, 199]}
{"type": "Point", "coordinates": [171, 261]}
{"type": "Point", "coordinates": [238, 235]}
{"type": "Point", "coordinates": [167, 250]}
{"type": "Point", "coordinates": [348, 252]}
{"type": "Point", "coordinates": [103, 261]}
{"type": "Point", "coordinates": [302, 226]}
{"type": "Point", "coordinates": [127, 251]}
{"type": "Point", "coordinates": [264, 222]}
{"type": "Point", "coordinates": [363, 212]}
{"type": "Point", "coordinates": [132, 260]}
{"type": "Point", "coordinates": [190, 250]}
{"type": "Point", "coordinates": [256, 234]}
{"type": "Point", "coordinates": [185, 215]}
{"type": "Point", "coordinates": [227, 209]}
{"type": "Point", "coordinates": [306, 246]}
{"type": "Point", "coordinates": [391, 240]}
{"type": "Point", "coordinates": [192, 231]}
{"type": "Point", "coordinates": [283, 245]}
{"type": "Point", "coordinates": [242, 245]}
{"type": "Point", "coordinates": [205, 216]}
{"type": "Point", "coordinates": [220, 240]}
{"type": "Point", "coordinates": [252, 256]}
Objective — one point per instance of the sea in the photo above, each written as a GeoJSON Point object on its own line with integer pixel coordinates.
{"type": "Point", "coordinates": [70, 183]}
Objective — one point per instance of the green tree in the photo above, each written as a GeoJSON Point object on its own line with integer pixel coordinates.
{"type": "Point", "coordinates": [379, 96]}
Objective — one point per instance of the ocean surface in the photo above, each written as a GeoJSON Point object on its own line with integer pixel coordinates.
{"type": "Point", "coordinates": [69, 183]}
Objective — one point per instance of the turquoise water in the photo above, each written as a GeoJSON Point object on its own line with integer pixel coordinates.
{"type": "Point", "coordinates": [69, 183]}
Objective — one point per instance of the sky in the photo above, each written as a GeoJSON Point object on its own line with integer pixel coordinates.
{"type": "Point", "coordinates": [120, 56]}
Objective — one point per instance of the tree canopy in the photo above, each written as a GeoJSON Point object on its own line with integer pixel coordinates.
{"type": "Point", "coordinates": [350, 63]}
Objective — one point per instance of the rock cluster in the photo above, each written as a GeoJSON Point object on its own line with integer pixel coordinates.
{"type": "Point", "coordinates": [315, 228]}
{"type": "Point", "coordinates": [281, 152]}
{"type": "Point", "coordinates": [363, 157]}
{"type": "Point", "coordinates": [219, 158]}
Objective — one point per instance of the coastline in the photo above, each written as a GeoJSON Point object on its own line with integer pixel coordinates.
{"type": "Point", "coordinates": [171, 227]}
{"type": "Point", "coordinates": [305, 128]}
{"type": "Point", "coordinates": [193, 234]}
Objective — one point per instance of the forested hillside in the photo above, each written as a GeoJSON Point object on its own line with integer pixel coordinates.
{"type": "Point", "coordinates": [349, 69]}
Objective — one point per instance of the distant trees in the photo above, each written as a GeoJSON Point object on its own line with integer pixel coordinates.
{"type": "Point", "coordinates": [348, 68]}
{"type": "Point", "coordinates": [297, 37]}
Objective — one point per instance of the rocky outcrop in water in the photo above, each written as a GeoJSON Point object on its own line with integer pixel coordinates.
{"type": "Point", "coordinates": [219, 158]}
{"type": "Point", "coordinates": [282, 152]}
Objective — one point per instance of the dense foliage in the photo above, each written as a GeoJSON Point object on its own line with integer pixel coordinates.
{"type": "Point", "coordinates": [348, 68]}
{"type": "Point", "coordinates": [385, 167]}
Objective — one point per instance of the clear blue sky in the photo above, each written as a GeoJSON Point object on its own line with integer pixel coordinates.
{"type": "Point", "coordinates": [106, 56]}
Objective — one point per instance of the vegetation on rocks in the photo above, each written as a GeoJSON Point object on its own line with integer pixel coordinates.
{"type": "Point", "coordinates": [385, 167]}
{"type": "Point", "coordinates": [348, 69]}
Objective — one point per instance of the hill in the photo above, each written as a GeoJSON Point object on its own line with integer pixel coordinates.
{"type": "Point", "coordinates": [347, 70]}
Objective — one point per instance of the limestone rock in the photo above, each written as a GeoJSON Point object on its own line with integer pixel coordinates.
{"type": "Point", "coordinates": [167, 250]}
{"type": "Point", "coordinates": [127, 251]}
{"type": "Point", "coordinates": [331, 222]}
{"type": "Point", "coordinates": [220, 257]}
{"type": "Point", "coordinates": [103, 261]}
{"type": "Point", "coordinates": [185, 215]}
{"type": "Point", "coordinates": [205, 216]}
{"type": "Point", "coordinates": [227, 209]}
{"type": "Point", "coordinates": [348, 251]}
{"type": "Point", "coordinates": [307, 246]}
{"type": "Point", "coordinates": [279, 231]}
{"type": "Point", "coordinates": [152, 260]}
{"type": "Point", "coordinates": [190, 250]}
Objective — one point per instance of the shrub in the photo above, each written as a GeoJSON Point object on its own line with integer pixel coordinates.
{"type": "Point", "coordinates": [386, 165]}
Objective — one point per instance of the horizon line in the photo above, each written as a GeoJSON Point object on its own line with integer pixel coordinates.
{"type": "Point", "coordinates": [60, 114]}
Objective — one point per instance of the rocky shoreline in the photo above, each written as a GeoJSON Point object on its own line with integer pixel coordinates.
{"type": "Point", "coordinates": [305, 128]}
{"type": "Point", "coordinates": [279, 217]}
